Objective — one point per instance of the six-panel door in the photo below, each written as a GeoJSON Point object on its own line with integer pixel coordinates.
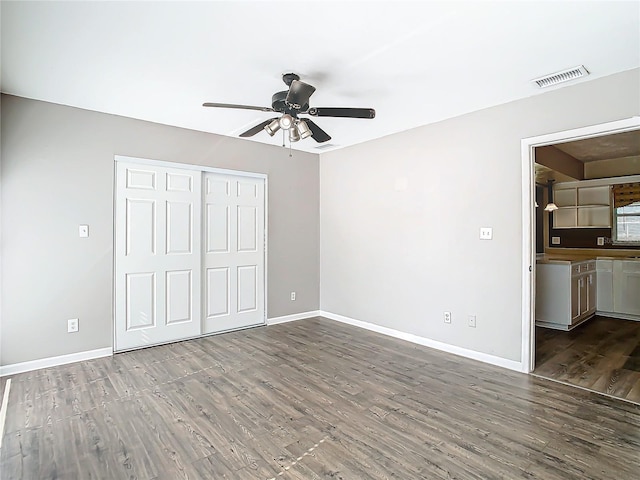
{"type": "Point", "coordinates": [233, 254]}
{"type": "Point", "coordinates": [158, 255]}
{"type": "Point", "coordinates": [188, 261]}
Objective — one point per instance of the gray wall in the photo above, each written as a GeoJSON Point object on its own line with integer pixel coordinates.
{"type": "Point", "coordinates": [57, 173]}
{"type": "Point", "coordinates": [400, 257]}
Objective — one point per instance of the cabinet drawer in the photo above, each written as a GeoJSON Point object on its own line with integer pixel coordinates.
{"type": "Point", "coordinates": [576, 269]}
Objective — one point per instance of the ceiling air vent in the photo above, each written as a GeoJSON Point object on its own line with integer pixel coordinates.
{"type": "Point", "coordinates": [561, 77]}
{"type": "Point", "coordinates": [325, 146]}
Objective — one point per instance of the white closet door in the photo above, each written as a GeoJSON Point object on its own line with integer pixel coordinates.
{"type": "Point", "coordinates": [158, 255]}
{"type": "Point", "coordinates": [233, 252]}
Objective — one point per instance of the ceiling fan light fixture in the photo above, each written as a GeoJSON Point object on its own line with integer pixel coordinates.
{"type": "Point", "coordinates": [286, 121]}
{"type": "Point", "coordinates": [272, 127]}
{"type": "Point", "coordinates": [294, 136]}
{"type": "Point", "coordinates": [303, 129]}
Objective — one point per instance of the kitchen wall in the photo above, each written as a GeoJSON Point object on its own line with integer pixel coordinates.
{"type": "Point", "coordinates": [57, 172]}
{"type": "Point", "coordinates": [400, 217]}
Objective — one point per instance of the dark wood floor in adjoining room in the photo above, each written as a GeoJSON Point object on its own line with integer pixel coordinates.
{"type": "Point", "coordinates": [312, 399]}
{"type": "Point", "coordinates": [602, 354]}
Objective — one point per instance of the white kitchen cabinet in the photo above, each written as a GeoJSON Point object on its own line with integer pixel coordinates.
{"type": "Point", "coordinates": [581, 206]}
{"type": "Point", "coordinates": [566, 293]}
{"type": "Point", "coordinates": [604, 270]}
{"type": "Point", "coordinates": [626, 287]}
{"type": "Point", "coordinates": [619, 288]}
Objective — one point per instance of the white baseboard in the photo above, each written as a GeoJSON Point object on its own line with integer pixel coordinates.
{"type": "Point", "coordinates": [620, 316]}
{"type": "Point", "coordinates": [427, 342]}
{"type": "Point", "coordinates": [293, 317]}
{"type": "Point", "coordinates": [14, 368]}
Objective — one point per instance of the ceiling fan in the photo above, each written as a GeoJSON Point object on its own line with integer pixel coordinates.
{"type": "Point", "coordinates": [292, 103]}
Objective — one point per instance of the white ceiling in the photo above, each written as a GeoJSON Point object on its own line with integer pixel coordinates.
{"type": "Point", "coordinates": [414, 62]}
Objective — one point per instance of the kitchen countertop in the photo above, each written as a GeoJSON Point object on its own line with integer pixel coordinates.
{"type": "Point", "coordinates": [572, 258]}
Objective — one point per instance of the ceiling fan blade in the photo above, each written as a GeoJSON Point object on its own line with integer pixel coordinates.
{"type": "Point", "coordinates": [342, 112]}
{"type": "Point", "coordinates": [317, 133]}
{"type": "Point", "coordinates": [299, 94]}
{"type": "Point", "coordinates": [257, 129]}
{"type": "Point", "coordinates": [232, 105]}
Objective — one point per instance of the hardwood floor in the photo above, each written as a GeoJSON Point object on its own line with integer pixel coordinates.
{"type": "Point", "coordinates": [312, 399]}
{"type": "Point", "coordinates": [602, 354]}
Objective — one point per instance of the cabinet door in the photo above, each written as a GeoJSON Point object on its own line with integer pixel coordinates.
{"type": "Point", "coordinates": [604, 287]}
{"type": "Point", "coordinates": [583, 294]}
{"type": "Point", "coordinates": [591, 292]}
{"type": "Point", "coordinates": [627, 287]}
{"type": "Point", "coordinates": [575, 298]}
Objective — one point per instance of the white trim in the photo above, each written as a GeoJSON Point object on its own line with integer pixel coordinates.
{"type": "Point", "coordinates": [528, 216]}
{"type": "Point", "coordinates": [621, 316]}
{"type": "Point", "coordinates": [427, 342]}
{"type": "Point", "coordinates": [265, 253]}
{"type": "Point", "coordinates": [3, 409]}
{"type": "Point", "coordinates": [187, 166]}
{"type": "Point", "coordinates": [293, 317]}
{"type": "Point", "coordinates": [15, 368]}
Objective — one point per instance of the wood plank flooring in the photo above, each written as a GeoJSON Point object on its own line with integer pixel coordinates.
{"type": "Point", "coordinates": [312, 399]}
{"type": "Point", "coordinates": [600, 354]}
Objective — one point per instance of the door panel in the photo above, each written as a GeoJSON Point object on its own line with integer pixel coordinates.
{"type": "Point", "coordinates": [247, 229]}
{"type": "Point", "coordinates": [142, 179]}
{"type": "Point", "coordinates": [140, 227]}
{"type": "Point", "coordinates": [217, 292]}
{"type": "Point", "coordinates": [179, 296]}
{"type": "Point", "coordinates": [247, 288]}
{"type": "Point", "coordinates": [217, 231]}
{"type": "Point", "coordinates": [158, 255]}
{"type": "Point", "coordinates": [179, 227]}
{"type": "Point", "coordinates": [234, 257]}
{"type": "Point", "coordinates": [141, 300]}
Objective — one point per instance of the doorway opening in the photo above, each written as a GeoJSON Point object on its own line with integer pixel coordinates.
{"type": "Point", "coordinates": [566, 345]}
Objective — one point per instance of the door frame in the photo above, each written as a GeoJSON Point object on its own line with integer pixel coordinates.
{"type": "Point", "coordinates": [201, 168]}
{"type": "Point", "coordinates": [528, 219]}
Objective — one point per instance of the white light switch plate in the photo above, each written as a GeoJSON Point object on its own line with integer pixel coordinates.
{"type": "Point", "coordinates": [83, 231]}
{"type": "Point", "coordinates": [555, 240]}
{"type": "Point", "coordinates": [600, 241]}
{"type": "Point", "coordinates": [486, 233]}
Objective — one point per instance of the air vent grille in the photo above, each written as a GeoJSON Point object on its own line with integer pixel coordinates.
{"type": "Point", "coordinates": [561, 77]}
{"type": "Point", "coordinates": [324, 146]}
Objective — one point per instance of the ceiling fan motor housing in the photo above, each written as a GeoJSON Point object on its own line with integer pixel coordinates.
{"type": "Point", "coordinates": [278, 101]}
{"type": "Point", "coordinates": [279, 104]}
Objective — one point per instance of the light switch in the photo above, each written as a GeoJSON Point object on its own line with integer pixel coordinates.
{"type": "Point", "coordinates": [486, 233]}
{"type": "Point", "coordinates": [555, 240]}
{"type": "Point", "coordinates": [83, 231]}
{"type": "Point", "coordinates": [600, 241]}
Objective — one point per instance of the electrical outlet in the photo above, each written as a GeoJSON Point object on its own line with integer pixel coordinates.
{"type": "Point", "coordinates": [293, 296]}
{"type": "Point", "coordinates": [472, 321]}
{"type": "Point", "coordinates": [73, 325]}
{"type": "Point", "coordinates": [447, 317]}
{"type": "Point", "coordinates": [600, 241]}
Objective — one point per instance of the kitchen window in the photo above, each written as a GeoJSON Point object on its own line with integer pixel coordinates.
{"type": "Point", "coordinates": [626, 213]}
